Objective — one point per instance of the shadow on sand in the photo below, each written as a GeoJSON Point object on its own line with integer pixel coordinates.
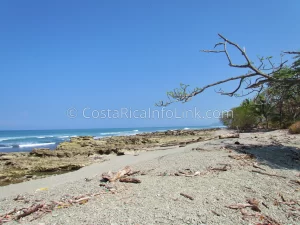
{"type": "Point", "coordinates": [275, 156]}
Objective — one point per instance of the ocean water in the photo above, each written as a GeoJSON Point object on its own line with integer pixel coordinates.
{"type": "Point", "coordinates": [26, 140]}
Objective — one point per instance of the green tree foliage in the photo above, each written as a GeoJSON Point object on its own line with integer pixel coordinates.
{"type": "Point", "coordinates": [274, 107]}
{"type": "Point", "coordinates": [242, 117]}
{"type": "Point", "coordinates": [277, 88]}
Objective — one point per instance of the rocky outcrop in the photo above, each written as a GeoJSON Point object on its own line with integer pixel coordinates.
{"type": "Point", "coordinates": [81, 151]}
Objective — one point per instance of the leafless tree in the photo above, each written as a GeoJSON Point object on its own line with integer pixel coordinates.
{"type": "Point", "coordinates": [254, 80]}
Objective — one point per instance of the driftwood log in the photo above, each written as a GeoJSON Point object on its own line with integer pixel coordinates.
{"type": "Point", "coordinates": [111, 177]}
{"type": "Point", "coordinates": [29, 211]}
{"type": "Point", "coordinates": [268, 174]}
{"type": "Point", "coordinates": [229, 136]}
{"type": "Point", "coordinates": [130, 180]}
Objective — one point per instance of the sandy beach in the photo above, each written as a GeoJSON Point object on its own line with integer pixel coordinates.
{"type": "Point", "coordinates": [149, 113]}
{"type": "Point", "coordinates": [253, 179]}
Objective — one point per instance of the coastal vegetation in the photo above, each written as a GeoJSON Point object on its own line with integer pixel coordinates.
{"type": "Point", "coordinates": [273, 90]}
{"type": "Point", "coordinates": [275, 106]}
{"type": "Point", "coordinates": [295, 128]}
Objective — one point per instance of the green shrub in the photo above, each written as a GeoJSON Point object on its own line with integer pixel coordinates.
{"type": "Point", "coordinates": [295, 128]}
{"type": "Point", "coordinates": [242, 117]}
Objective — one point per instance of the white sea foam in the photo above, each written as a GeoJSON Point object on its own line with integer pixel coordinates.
{"type": "Point", "coordinates": [119, 133]}
{"type": "Point", "coordinates": [35, 144]}
{"type": "Point", "coordinates": [98, 137]}
{"type": "Point", "coordinates": [62, 137]}
{"type": "Point", "coordinates": [110, 133]}
{"type": "Point", "coordinates": [21, 137]}
{"type": "Point", "coordinates": [6, 147]}
{"type": "Point", "coordinates": [186, 128]}
{"type": "Point", "coordinates": [11, 138]}
{"type": "Point", "coordinates": [40, 137]}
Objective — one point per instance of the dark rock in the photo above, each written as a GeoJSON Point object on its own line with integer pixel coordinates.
{"type": "Point", "coordinates": [9, 163]}
{"type": "Point", "coordinates": [119, 153]}
{"type": "Point", "coordinates": [43, 152]}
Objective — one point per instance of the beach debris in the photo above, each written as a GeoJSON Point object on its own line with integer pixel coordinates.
{"type": "Point", "coordinates": [242, 156]}
{"type": "Point", "coordinates": [197, 149]}
{"type": "Point", "coordinates": [239, 206]}
{"type": "Point", "coordinates": [281, 196]}
{"type": "Point", "coordinates": [246, 215]}
{"type": "Point", "coordinates": [39, 210]}
{"type": "Point", "coordinates": [200, 149]}
{"type": "Point", "coordinates": [88, 179]}
{"type": "Point", "coordinates": [294, 215]}
{"type": "Point", "coordinates": [295, 181]}
{"type": "Point", "coordinates": [214, 212]}
{"type": "Point", "coordinates": [133, 172]}
{"type": "Point", "coordinates": [82, 200]}
{"type": "Point", "coordinates": [197, 173]}
{"type": "Point", "coordinates": [253, 204]}
{"type": "Point", "coordinates": [235, 135]}
{"type": "Point", "coordinates": [258, 167]}
{"type": "Point", "coordinates": [265, 205]}
{"type": "Point", "coordinates": [268, 174]}
{"type": "Point", "coordinates": [224, 168]}
{"type": "Point", "coordinates": [190, 173]}
{"type": "Point", "coordinates": [143, 173]}
{"type": "Point", "coordinates": [163, 174]}
{"type": "Point", "coordinates": [19, 198]}
{"type": "Point", "coordinates": [292, 206]}
{"type": "Point", "coordinates": [122, 175]}
{"type": "Point", "coordinates": [29, 211]}
{"type": "Point", "coordinates": [130, 180]}
{"type": "Point", "coordinates": [187, 173]}
{"type": "Point", "coordinates": [7, 217]}
{"type": "Point", "coordinates": [187, 196]}
{"type": "Point", "coordinates": [42, 189]}
{"type": "Point", "coordinates": [267, 220]}
{"type": "Point", "coordinates": [111, 177]}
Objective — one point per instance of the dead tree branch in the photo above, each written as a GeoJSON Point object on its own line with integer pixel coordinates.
{"type": "Point", "coordinates": [262, 75]}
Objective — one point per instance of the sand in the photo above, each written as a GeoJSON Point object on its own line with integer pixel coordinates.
{"type": "Point", "coordinates": [157, 199]}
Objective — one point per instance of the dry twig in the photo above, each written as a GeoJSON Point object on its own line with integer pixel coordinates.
{"type": "Point", "coordinates": [187, 196]}
{"type": "Point", "coordinates": [268, 174]}
{"type": "Point", "coordinates": [29, 211]}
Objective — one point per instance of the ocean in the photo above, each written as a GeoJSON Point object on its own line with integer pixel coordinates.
{"type": "Point", "coordinates": [26, 140]}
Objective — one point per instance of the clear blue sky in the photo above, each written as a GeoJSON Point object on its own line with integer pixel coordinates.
{"type": "Point", "coordinates": [112, 54]}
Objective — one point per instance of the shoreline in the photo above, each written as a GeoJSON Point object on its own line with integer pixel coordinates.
{"type": "Point", "coordinates": [26, 140]}
{"type": "Point", "coordinates": [85, 150]}
{"type": "Point", "coordinates": [259, 165]}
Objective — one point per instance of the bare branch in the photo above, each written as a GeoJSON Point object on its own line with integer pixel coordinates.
{"type": "Point", "coordinates": [183, 95]}
{"type": "Point", "coordinates": [233, 92]}
{"type": "Point", "coordinates": [292, 52]}
{"type": "Point", "coordinates": [213, 51]}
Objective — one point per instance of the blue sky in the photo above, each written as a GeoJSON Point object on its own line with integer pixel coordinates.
{"type": "Point", "coordinates": [114, 54]}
